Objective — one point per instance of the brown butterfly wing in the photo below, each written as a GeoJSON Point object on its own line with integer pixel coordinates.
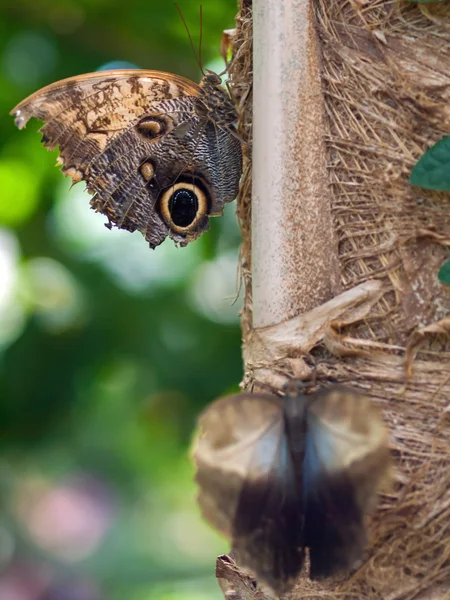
{"type": "Point", "coordinates": [131, 135]}
{"type": "Point", "coordinates": [268, 527]}
{"type": "Point", "coordinates": [346, 463]}
{"type": "Point", "coordinates": [249, 488]}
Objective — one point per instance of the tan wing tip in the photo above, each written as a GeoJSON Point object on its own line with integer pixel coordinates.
{"type": "Point", "coordinates": [21, 118]}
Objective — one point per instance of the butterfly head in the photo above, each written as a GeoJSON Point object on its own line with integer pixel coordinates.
{"type": "Point", "coordinates": [212, 78]}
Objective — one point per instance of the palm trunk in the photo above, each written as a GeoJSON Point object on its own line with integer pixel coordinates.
{"type": "Point", "coordinates": [340, 253]}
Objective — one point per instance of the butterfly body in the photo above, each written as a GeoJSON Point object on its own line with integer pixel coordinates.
{"type": "Point", "coordinates": [157, 151]}
{"type": "Point", "coordinates": [292, 474]}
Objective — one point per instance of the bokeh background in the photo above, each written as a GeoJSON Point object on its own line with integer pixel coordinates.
{"type": "Point", "coordinates": [108, 350]}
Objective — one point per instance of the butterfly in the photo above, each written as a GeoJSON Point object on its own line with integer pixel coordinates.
{"type": "Point", "coordinates": [277, 476]}
{"type": "Point", "coordinates": [158, 152]}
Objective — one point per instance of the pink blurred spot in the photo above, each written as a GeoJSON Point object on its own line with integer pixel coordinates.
{"type": "Point", "coordinates": [70, 520]}
{"type": "Point", "coordinates": [23, 582]}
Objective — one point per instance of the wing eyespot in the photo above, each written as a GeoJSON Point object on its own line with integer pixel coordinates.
{"type": "Point", "coordinates": [147, 170]}
{"type": "Point", "coordinates": [153, 127]}
{"type": "Point", "coordinates": [184, 207]}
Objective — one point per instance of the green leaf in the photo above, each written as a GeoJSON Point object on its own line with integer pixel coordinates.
{"type": "Point", "coordinates": [433, 169]}
{"type": "Point", "coordinates": [444, 273]}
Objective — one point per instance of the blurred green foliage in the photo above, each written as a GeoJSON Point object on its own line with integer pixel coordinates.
{"type": "Point", "coordinates": [108, 350]}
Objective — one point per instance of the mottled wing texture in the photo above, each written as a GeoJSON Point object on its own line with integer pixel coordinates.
{"type": "Point", "coordinates": [250, 491]}
{"type": "Point", "coordinates": [99, 121]}
{"type": "Point", "coordinates": [346, 463]}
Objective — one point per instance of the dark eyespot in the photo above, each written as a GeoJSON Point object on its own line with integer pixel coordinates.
{"type": "Point", "coordinates": [183, 206]}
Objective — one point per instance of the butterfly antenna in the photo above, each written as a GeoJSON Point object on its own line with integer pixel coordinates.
{"type": "Point", "coordinates": [197, 57]}
{"type": "Point", "coordinates": [200, 40]}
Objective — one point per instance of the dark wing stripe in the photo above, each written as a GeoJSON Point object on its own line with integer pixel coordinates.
{"type": "Point", "coordinates": [334, 522]}
{"type": "Point", "coordinates": [268, 528]}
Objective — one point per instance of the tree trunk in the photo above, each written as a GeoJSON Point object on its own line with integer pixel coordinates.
{"type": "Point", "coordinates": [340, 253]}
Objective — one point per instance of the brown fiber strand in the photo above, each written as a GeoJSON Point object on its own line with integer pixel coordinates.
{"type": "Point", "coordinates": [386, 82]}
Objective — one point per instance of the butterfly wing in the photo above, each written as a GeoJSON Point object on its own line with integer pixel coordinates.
{"type": "Point", "coordinates": [346, 463]}
{"type": "Point", "coordinates": [252, 482]}
{"type": "Point", "coordinates": [140, 141]}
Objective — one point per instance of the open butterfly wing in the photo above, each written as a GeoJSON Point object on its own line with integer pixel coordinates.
{"type": "Point", "coordinates": [264, 514]}
{"type": "Point", "coordinates": [346, 462]}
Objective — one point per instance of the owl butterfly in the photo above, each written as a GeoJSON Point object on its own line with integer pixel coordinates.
{"type": "Point", "coordinates": [277, 476]}
{"type": "Point", "coordinates": [157, 151]}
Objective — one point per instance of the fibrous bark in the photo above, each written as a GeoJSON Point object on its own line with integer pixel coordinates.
{"type": "Point", "coordinates": [385, 82]}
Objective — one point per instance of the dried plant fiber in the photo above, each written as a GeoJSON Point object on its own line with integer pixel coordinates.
{"type": "Point", "coordinates": [386, 86]}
